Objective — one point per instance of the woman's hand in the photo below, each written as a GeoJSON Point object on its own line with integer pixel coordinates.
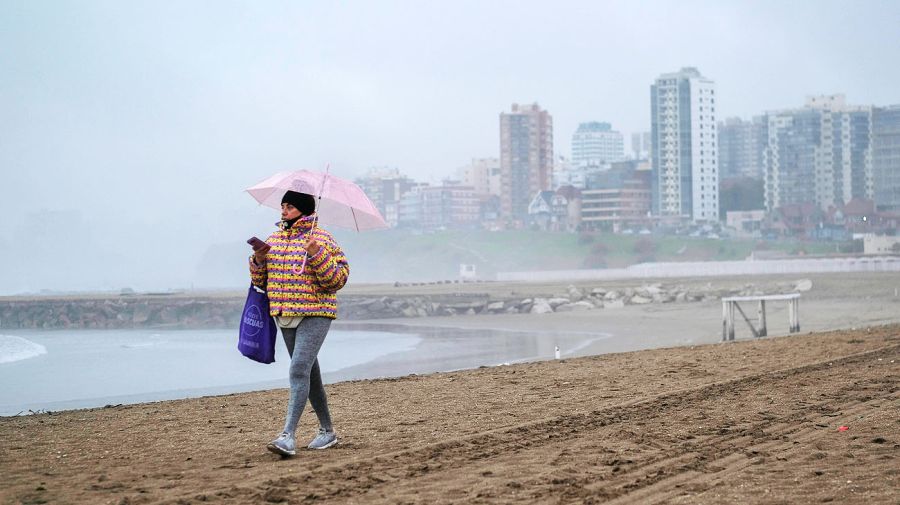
{"type": "Point", "coordinates": [312, 247]}
{"type": "Point", "coordinates": [259, 257]}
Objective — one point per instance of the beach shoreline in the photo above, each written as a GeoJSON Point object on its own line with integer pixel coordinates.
{"type": "Point", "coordinates": [661, 411]}
{"type": "Point", "coordinates": [831, 302]}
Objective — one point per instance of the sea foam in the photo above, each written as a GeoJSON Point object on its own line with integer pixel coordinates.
{"type": "Point", "coordinates": [14, 348]}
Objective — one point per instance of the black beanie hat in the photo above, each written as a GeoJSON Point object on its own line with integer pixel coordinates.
{"type": "Point", "coordinates": [303, 202]}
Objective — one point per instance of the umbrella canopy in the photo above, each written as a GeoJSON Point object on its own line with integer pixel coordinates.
{"type": "Point", "coordinates": [340, 202]}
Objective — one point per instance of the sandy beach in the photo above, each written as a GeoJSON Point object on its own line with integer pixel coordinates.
{"type": "Point", "coordinates": [752, 421]}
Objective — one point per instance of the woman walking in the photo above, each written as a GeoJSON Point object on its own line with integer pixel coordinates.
{"type": "Point", "coordinates": [301, 271]}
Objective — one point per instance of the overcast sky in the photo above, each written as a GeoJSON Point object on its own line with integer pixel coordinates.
{"type": "Point", "coordinates": [129, 129]}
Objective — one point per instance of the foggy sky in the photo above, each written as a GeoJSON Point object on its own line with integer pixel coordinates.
{"type": "Point", "coordinates": [129, 129]}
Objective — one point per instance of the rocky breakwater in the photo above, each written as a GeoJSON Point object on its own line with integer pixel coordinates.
{"type": "Point", "coordinates": [380, 307]}
{"type": "Point", "coordinates": [224, 311]}
{"type": "Point", "coordinates": [206, 312]}
{"type": "Point", "coordinates": [571, 299]}
{"type": "Point", "coordinates": [120, 312]}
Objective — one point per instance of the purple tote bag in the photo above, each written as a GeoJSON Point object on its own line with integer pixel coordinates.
{"type": "Point", "coordinates": [258, 331]}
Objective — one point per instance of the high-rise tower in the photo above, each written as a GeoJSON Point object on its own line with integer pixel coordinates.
{"type": "Point", "coordinates": [684, 157]}
{"type": "Point", "coordinates": [526, 158]}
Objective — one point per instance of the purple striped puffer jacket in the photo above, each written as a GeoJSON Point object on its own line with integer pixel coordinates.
{"type": "Point", "coordinates": [295, 289]}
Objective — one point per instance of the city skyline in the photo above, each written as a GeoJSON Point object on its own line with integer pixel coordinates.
{"type": "Point", "coordinates": [721, 51]}
{"type": "Point", "coordinates": [139, 124]}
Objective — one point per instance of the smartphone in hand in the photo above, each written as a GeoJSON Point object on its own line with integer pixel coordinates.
{"type": "Point", "coordinates": [257, 244]}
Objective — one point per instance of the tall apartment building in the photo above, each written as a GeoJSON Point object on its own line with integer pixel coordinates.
{"type": "Point", "coordinates": [741, 146]}
{"type": "Point", "coordinates": [482, 174]}
{"type": "Point", "coordinates": [526, 158]}
{"type": "Point", "coordinates": [684, 156]}
{"type": "Point", "coordinates": [886, 157]}
{"type": "Point", "coordinates": [640, 145]}
{"type": "Point", "coordinates": [595, 144]}
{"type": "Point", "coordinates": [819, 154]}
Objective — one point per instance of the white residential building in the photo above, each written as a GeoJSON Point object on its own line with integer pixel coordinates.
{"type": "Point", "coordinates": [566, 173]}
{"type": "Point", "coordinates": [640, 145]}
{"type": "Point", "coordinates": [685, 182]}
{"type": "Point", "coordinates": [596, 144]}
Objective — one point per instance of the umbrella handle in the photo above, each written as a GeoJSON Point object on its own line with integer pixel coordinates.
{"type": "Point", "coordinates": [294, 269]}
{"type": "Point", "coordinates": [299, 271]}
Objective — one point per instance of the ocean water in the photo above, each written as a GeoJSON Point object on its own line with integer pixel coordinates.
{"type": "Point", "coordinates": [69, 369]}
{"type": "Point", "coordinates": [57, 370]}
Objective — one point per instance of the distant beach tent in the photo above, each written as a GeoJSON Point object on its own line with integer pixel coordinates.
{"type": "Point", "coordinates": [340, 202]}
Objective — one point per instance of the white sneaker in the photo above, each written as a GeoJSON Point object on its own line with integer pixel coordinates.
{"type": "Point", "coordinates": [283, 445]}
{"type": "Point", "coordinates": [323, 440]}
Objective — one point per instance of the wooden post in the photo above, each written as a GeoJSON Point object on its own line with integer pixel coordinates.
{"type": "Point", "coordinates": [761, 313]}
{"type": "Point", "coordinates": [727, 321]}
{"type": "Point", "coordinates": [731, 320]}
{"type": "Point", "coordinates": [724, 321]}
{"type": "Point", "coordinates": [794, 306]}
{"type": "Point", "coordinates": [791, 316]}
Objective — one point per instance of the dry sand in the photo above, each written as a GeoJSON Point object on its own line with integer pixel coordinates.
{"type": "Point", "coordinates": [753, 421]}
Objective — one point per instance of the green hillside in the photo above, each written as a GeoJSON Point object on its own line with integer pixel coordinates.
{"type": "Point", "coordinates": [391, 255]}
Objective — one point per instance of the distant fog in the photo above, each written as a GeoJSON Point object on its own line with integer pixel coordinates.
{"type": "Point", "coordinates": [129, 129]}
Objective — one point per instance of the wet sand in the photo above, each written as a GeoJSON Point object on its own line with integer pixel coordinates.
{"type": "Point", "coordinates": [753, 421]}
{"type": "Point", "coordinates": [836, 301]}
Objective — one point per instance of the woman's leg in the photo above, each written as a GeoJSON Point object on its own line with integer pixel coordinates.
{"type": "Point", "coordinates": [289, 335]}
{"type": "Point", "coordinates": [310, 335]}
{"type": "Point", "coordinates": [317, 397]}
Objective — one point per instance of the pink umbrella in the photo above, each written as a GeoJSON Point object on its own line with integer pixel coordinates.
{"type": "Point", "coordinates": [341, 202]}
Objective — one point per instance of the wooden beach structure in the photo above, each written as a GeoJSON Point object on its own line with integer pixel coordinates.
{"type": "Point", "coordinates": [729, 304]}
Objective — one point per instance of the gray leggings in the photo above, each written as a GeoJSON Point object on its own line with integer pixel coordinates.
{"type": "Point", "coordinates": [305, 378]}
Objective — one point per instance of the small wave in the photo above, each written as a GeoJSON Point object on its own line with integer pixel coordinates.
{"type": "Point", "coordinates": [585, 344]}
{"type": "Point", "coordinates": [14, 348]}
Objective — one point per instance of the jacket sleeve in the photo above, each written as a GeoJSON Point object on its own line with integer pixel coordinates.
{"type": "Point", "coordinates": [259, 274]}
{"type": "Point", "coordinates": [330, 265]}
